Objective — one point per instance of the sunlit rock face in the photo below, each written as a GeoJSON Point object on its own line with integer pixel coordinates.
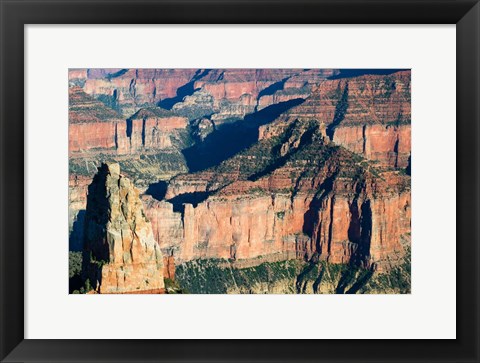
{"type": "Point", "coordinates": [290, 196]}
{"type": "Point", "coordinates": [120, 251]}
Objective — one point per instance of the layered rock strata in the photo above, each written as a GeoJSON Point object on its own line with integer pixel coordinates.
{"type": "Point", "coordinates": [294, 195]}
{"type": "Point", "coordinates": [95, 128]}
{"type": "Point", "coordinates": [369, 115]}
{"type": "Point", "coordinates": [226, 93]}
{"type": "Point", "coordinates": [92, 125]}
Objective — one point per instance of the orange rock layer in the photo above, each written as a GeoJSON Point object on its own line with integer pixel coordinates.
{"type": "Point", "coordinates": [388, 144]}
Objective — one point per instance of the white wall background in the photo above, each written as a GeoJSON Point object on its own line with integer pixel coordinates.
{"type": "Point", "coordinates": [429, 312]}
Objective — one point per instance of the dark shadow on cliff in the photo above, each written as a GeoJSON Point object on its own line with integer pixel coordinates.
{"type": "Point", "coordinates": [362, 254]}
{"type": "Point", "coordinates": [75, 283]}
{"type": "Point", "coordinates": [157, 190]}
{"type": "Point", "coordinates": [97, 216]}
{"type": "Point", "coordinates": [408, 169]}
{"type": "Point", "coordinates": [186, 90]}
{"type": "Point", "coordinates": [318, 281]}
{"type": "Point", "coordinates": [119, 73]}
{"type": "Point", "coordinates": [347, 278]}
{"type": "Point", "coordinates": [188, 198]}
{"type": "Point", "coordinates": [303, 277]}
{"type": "Point", "coordinates": [229, 139]}
{"type": "Point", "coordinates": [352, 72]}
{"type": "Point", "coordinates": [362, 280]}
{"type": "Point", "coordinates": [274, 87]}
{"type": "Point", "coordinates": [340, 111]}
{"type": "Point", "coordinates": [75, 240]}
{"type": "Point", "coordinates": [310, 217]}
{"type": "Point", "coordinates": [129, 127]}
{"type": "Point", "coordinates": [354, 228]}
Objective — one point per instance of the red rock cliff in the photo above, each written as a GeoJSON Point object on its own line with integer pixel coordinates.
{"type": "Point", "coordinates": [91, 125]}
{"type": "Point", "coordinates": [319, 200]}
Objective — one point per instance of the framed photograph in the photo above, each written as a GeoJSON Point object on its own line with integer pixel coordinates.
{"type": "Point", "coordinates": [240, 181]}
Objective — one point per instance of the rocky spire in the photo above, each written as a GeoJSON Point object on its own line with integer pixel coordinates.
{"type": "Point", "coordinates": [120, 252]}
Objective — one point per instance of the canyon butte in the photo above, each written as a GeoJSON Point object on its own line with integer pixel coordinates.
{"type": "Point", "coordinates": [239, 180]}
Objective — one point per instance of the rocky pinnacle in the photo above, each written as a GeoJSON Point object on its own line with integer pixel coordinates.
{"type": "Point", "coordinates": [120, 252]}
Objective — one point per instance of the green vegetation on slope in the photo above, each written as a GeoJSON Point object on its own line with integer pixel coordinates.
{"type": "Point", "coordinates": [396, 280]}
{"type": "Point", "coordinates": [75, 282]}
{"type": "Point", "coordinates": [215, 276]}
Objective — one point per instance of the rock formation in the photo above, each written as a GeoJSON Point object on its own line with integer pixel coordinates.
{"type": "Point", "coordinates": [120, 251]}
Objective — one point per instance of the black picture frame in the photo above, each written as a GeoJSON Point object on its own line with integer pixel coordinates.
{"type": "Point", "coordinates": [16, 13]}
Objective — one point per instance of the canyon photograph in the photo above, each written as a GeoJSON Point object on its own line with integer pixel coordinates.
{"type": "Point", "coordinates": [239, 181]}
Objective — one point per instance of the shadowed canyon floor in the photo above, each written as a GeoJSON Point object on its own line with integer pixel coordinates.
{"type": "Point", "coordinates": [239, 181]}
